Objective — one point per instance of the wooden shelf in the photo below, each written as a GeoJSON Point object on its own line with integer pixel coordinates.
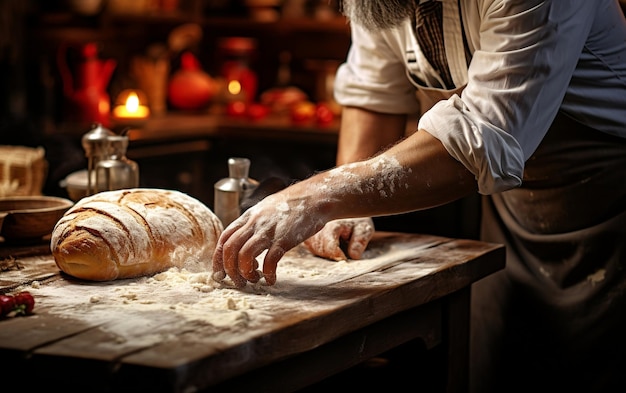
{"type": "Point", "coordinates": [177, 127]}
{"type": "Point", "coordinates": [64, 27]}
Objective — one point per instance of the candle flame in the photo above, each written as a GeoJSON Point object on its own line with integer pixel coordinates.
{"type": "Point", "coordinates": [132, 108]}
{"type": "Point", "coordinates": [132, 102]}
{"type": "Point", "coordinates": [234, 87]}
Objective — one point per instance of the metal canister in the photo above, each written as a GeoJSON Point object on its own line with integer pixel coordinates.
{"type": "Point", "coordinates": [116, 172]}
{"type": "Point", "coordinates": [95, 143]}
{"type": "Point", "coordinates": [231, 191]}
{"type": "Point", "coordinates": [226, 200]}
{"type": "Point", "coordinates": [239, 168]}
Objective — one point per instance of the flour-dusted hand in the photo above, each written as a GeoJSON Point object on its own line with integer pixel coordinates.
{"type": "Point", "coordinates": [351, 193]}
{"type": "Point", "coordinates": [351, 235]}
{"type": "Point", "coordinates": [276, 224]}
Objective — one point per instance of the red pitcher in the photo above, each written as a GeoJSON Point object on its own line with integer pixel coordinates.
{"type": "Point", "coordinates": [86, 91]}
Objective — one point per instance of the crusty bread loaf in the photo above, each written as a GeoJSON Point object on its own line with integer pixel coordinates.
{"type": "Point", "coordinates": [135, 232]}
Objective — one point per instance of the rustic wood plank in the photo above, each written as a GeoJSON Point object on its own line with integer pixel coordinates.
{"type": "Point", "coordinates": [298, 371]}
{"type": "Point", "coordinates": [26, 334]}
{"type": "Point", "coordinates": [18, 270]}
{"type": "Point", "coordinates": [116, 332]}
{"type": "Point", "coordinates": [384, 294]}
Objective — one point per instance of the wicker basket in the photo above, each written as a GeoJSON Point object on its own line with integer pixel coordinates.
{"type": "Point", "coordinates": [23, 170]}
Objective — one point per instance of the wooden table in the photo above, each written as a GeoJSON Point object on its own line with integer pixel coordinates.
{"type": "Point", "coordinates": [181, 332]}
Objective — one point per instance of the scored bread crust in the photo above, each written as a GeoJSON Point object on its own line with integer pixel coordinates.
{"type": "Point", "coordinates": [134, 232]}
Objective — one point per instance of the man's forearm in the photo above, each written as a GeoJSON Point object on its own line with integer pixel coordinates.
{"type": "Point", "coordinates": [415, 174]}
{"type": "Point", "coordinates": [365, 133]}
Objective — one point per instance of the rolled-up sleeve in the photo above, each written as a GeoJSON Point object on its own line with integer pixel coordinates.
{"type": "Point", "coordinates": [525, 54]}
{"type": "Point", "coordinates": [491, 154]}
{"type": "Point", "coordinates": [517, 80]}
{"type": "Point", "coordinates": [374, 75]}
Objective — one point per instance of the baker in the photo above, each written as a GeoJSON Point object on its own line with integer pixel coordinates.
{"type": "Point", "coordinates": [523, 102]}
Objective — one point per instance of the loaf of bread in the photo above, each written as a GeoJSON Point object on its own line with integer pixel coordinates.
{"type": "Point", "coordinates": [135, 232]}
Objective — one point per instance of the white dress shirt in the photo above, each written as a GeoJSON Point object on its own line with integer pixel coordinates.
{"type": "Point", "coordinates": [529, 59]}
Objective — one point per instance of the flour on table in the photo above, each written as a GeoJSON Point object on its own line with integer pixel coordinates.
{"type": "Point", "coordinates": [297, 269]}
{"type": "Point", "coordinates": [167, 304]}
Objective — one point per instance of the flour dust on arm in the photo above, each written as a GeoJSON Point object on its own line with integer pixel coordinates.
{"type": "Point", "coordinates": [348, 238]}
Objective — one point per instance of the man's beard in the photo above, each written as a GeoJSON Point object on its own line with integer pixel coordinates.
{"type": "Point", "coordinates": [378, 14]}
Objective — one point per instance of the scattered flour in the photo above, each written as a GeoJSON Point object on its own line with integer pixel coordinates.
{"type": "Point", "coordinates": [177, 301]}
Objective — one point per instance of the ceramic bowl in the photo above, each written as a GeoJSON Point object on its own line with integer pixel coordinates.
{"type": "Point", "coordinates": [30, 217]}
{"type": "Point", "coordinates": [76, 185]}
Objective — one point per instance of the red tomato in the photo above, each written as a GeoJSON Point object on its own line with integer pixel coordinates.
{"type": "Point", "coordinates": [302, 112]}
{"type": "Point", "coordinates": [7, 304]}
{"type": "Point", "coordinates": [257, 111]}
{"type": "Point", "coordinates": [323, 114]}
{"type": "Point", "coordinates": [236, 108]}
{"type": "Point", "coordinates": [24, 303]}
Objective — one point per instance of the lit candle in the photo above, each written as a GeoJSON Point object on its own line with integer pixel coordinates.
{"type": "Point", "coordinates": [235, 99]}
{"type": "Point", "coordinates": [132, 108]}
{"type": "Point", "coordinates": [235, 91]}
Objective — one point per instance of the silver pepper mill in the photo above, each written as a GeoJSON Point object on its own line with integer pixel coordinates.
{"type": "Point", "coordinates": [95, 144]}
{"type": "Point", "coordinates": [231, 191]}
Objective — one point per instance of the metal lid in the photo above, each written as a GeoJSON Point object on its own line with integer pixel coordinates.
{"type": "Point", "coordinates": [95, 141]}
{"type": "Point", "coordinates": [238, 167]}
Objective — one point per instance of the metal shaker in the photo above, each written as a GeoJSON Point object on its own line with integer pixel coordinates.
{"type": "Point", "coordinates": [95, 143]}
{"type": "Point", "coordinates": [116, 172]}
{"type": "Point", "coordinates": [231, 191]}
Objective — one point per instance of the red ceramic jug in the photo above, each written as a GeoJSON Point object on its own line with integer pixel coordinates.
{"type": "Point", "coordinates": [86, 91]}
{"type": "Point", "coordinates": [190, 87]}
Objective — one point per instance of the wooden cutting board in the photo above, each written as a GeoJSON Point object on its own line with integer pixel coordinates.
{"type": "Point", "coordinates": [181, 330]}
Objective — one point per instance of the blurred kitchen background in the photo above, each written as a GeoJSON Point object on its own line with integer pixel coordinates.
{"type": "Point", "coordinates": [191, 83]}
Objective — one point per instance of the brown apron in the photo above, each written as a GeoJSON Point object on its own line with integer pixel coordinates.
{"type": "Point", "coordinates": [555, 318]}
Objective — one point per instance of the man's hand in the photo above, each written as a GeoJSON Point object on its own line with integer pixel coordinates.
{"type": "Point", "coordinates": [276, 224]}
{"type": "Point", "coordinates": [341, 237]}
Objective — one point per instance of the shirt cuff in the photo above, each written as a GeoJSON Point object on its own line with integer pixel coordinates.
{"type": "Point", "coordinates": [492, 155]}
